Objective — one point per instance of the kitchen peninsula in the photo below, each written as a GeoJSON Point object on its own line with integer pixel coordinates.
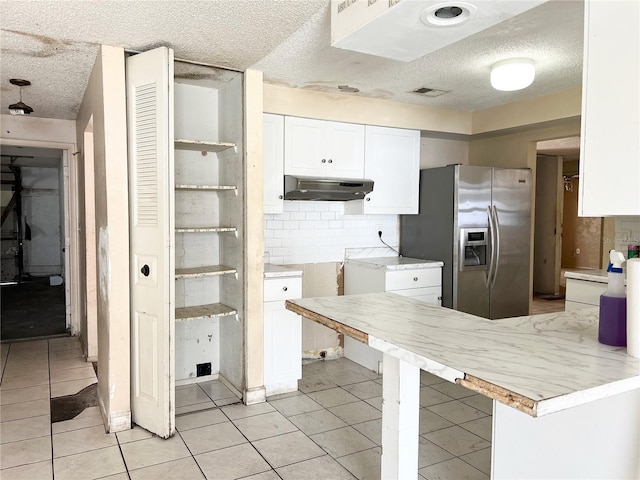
{"type": "Point", "coordinates": [586, 395]}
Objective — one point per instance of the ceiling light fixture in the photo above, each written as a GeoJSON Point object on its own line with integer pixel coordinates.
{"type": "Point", "coordinates": [20, 108]}
{"type": "Point", "coordinates": [512, 74]}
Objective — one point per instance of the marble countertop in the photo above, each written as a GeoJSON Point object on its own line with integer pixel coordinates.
{"type": "Point", "coordinates": [275, 271]}
{"type": "Point", "coordinates": [394, 263]}
{"type": "Point", "coordinates": [538, 364]}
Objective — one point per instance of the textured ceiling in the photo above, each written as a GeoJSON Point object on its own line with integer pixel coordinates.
{"type": "Point", "coordinates": [54, 44]}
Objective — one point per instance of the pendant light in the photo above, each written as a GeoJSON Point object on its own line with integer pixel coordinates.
{"type": "Point", "coordinates": [20, 108]}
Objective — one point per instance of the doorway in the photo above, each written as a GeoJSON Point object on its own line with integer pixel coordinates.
{"type": "Point", "coordinates": [562, 239]}
{"type": "Point", "coordinates": [33, 243]}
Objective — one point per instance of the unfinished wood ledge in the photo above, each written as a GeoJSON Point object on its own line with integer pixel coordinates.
{"type": "Point", "coordinates": [327, 322]}
{"type": "Point", "coordinates": [511, 399]}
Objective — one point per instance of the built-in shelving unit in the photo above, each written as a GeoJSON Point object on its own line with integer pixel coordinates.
{"type": "Point", "coordinates": [210, 310]}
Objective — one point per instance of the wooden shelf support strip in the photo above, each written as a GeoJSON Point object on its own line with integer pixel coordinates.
{"type": "Point", "coordinates": [514, 400]}
{"type": "Point", "coordinates": [327, 322]}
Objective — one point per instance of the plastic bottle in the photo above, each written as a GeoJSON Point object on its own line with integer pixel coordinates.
{"type": "Point", "coordinates": [612, 327]}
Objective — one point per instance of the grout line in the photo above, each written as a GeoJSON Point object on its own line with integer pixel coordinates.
{"type": "Point", "coordinates": [53, 476]}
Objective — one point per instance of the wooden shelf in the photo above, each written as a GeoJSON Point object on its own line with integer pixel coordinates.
{"type": "Point", "coordinates": [206, 187]}
{"type": "Point", "coordinates": [201, 145]}
{"type": "Point", "coordinates": [206, 271]}
{"type": "Point", "coordinates": [204, 229]}
{"type": "Point", "coordinates": [211, 310]}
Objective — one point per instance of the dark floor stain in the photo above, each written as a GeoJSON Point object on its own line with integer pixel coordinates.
{"type": "Point", "coordinates": [70, 406]}
{"type": "Point", "coordinates": [31, 309]}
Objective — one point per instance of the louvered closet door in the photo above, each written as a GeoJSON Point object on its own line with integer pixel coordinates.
{"type": "Point", "coordinates": [150, 127]}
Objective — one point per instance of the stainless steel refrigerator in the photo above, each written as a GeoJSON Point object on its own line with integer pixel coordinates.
{"type": "Point", "coordinates": [477, 220]}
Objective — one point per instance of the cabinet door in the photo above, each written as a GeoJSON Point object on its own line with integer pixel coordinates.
{"type": "Point", "coordinates": [304, 147]}
{"type": "Point", "coordinates": [392, 161]}
{"type": "Point", "coordinates": [282, 345]}
{"type": "Point", "coordinates": [609, 167]}
{"type": "Point", "coordinates": [273, 161]}
{"type": "Point", "coordinates": [151, 163]}
{"type": "Point", "coordinates": [345, 150]}
{"type": "Point", "coordinates": [432, 295]}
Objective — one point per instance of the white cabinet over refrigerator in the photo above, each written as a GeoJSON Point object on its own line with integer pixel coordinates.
{"type": "Point", "coordinates": [409, 277]}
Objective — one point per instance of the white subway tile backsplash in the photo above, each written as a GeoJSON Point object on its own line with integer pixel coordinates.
{"type": "Point", "coordinates": [319, 232]}
{"type": "Point", "coordinates": [290, 225]}
{"type": "Point", "coordinates": [321, 206]}
{"type": "Point", "coordinates": [306, 225]}
{"type": "Point", "coordinates": [302, 206]}
{"type": "Point", "coordinates": [275, 225]}
{"type": "Point", "coordinates": [281, 233]}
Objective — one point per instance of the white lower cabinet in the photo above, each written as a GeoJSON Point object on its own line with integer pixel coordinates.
{"type": "Point", "coordinates": [409, 277]}
{"type": "Point", "coordinates": [282, 335]}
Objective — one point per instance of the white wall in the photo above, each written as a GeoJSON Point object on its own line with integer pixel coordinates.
{"type": "Point", "coordinates": [105, 102]}
{"type": "Point", "coordinates": [41, 211]}
{"type": "Point", "coordinates": [317, 232]}
{"type": "Point", "coordinates": [627, 233]}
{"type": "Point", "coordinates": [439, 152]}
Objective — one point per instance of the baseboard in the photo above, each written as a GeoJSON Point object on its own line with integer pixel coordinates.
{"type": "Point", "coordinates": [116, 422]}
{"type": "Point", "coordinates": [254, 395]}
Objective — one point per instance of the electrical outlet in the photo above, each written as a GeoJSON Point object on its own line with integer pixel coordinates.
{"type": "Point", "coordinates": [203, 369]}
{"type": "Point", "coordinates": [378, 229]}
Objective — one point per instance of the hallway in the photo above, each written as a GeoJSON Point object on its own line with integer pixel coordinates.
{"type": "Point", "coordinates": [32, 308]}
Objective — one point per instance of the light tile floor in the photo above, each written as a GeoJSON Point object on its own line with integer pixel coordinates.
{"type": "Point", "coordinates": [329, 429]}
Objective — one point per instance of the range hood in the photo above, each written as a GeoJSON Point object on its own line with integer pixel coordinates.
{"type": "Point", "coordinates": [333, 189]}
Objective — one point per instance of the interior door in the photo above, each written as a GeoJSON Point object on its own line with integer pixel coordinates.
{"type": "Point", "coordinates": [149, 78]}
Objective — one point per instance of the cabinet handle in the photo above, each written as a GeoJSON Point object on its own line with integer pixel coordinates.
{"type": "Point", "coordinates": [330, 161]}
{"type": "Point", "coordinates": [324, 160]}
{"type": "Point", "coordinates": [284, 289]}
{"type": "Point", "coordinates": [368, 199]}
{"type": "Point", "coordinates": [415, 279]}
{"type": "Point", "coordinates": [280, 197]}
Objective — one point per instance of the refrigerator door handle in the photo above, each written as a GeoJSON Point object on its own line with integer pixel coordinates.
{"type": "Point", "coordinates": [496, 224]}
{"type": "Point", "coordinates": [487, 279]}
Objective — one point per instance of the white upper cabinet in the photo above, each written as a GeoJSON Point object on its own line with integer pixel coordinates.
{"type": "Point", "coordinates": [273, 158]}
{"type": "Point", "coordinates": [320, 148]}
{"type": "Point", "coordinates": [609, 166]}
{"type": "Point", "coordinates": [392, 161]}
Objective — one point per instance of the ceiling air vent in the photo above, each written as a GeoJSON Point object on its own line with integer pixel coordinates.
{"type": "Point", "coordinates": [430, 92]}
